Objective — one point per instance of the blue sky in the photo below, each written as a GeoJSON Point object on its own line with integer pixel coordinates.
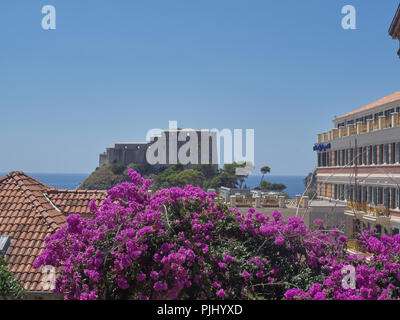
{"type": "Point", "coordinates": [114, 69]}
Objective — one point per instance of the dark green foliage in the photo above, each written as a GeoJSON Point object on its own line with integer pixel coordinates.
{"type": "Point", "coordinates": [9, 288]}
{"type": "Point", "coordinates": [117, 168]}
{"type": "Point", "coordinates": [265, 185]}
{"type": "Point", "coordinates": [103, 178]}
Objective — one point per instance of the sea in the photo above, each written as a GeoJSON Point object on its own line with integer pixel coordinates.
{"type": "Point", "coordinates": [294, 184]}
{"type": "Point", "coordinates": [59, 180]}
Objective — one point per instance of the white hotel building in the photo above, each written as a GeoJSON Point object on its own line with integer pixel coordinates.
{"type": "Point", "coordinates": [359, 164]}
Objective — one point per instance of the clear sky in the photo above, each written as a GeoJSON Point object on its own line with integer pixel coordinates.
{"type": "Point", "coordinates": [114, 69]}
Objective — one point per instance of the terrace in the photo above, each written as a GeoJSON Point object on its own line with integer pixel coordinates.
{"type": "Point", "coordinates": [378, 214]}
{"type": "Point", "coordinates": [381, 123]}
{"type": "Point", "coordinates": [267, 201]}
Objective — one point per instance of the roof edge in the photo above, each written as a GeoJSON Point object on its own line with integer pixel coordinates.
{"type": "Point", "coordinates": [370, 106]}
{"type": "Point", "coordinates": [395, 23]}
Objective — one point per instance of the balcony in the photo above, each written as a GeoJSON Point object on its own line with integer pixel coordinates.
{"type": "Point", "coordinates": [361, 128]}
{"type": "Point", "coordinates": [363, 211]}
{"type": "Point", "coordinates": [355, 246]}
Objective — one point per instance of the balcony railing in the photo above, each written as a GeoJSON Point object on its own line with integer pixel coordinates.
{"type": "Point", "coordinates": [378, 214]}
{"type": "Point", "coordinates": [360, 128]}
{"type": "Point", "coordinates": [356, 247]}
{"type": "Point", "coordinates": [366, 209]}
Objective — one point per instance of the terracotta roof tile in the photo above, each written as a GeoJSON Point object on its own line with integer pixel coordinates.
{"type": "Point", "coordinates": [75, 202]}
{"type": "Point", "coordinates": [30, 211]}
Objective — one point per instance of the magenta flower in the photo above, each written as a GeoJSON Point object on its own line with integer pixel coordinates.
{"type": "Point", "coordinates": [221, 293]}
{"type": "Point", "coordinates": [280, 241]}
{"type": "Point", "coordinates": [245, 274]}
{"type": "Point", "coordinates": [222, 265]}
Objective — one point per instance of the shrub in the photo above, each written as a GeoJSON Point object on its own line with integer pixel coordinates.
{"type": "Point", "coordinates": [9, 287]}
{"type": "Point", "coordinates": [184, 244]}
{"type": "Point", "coordinates": [117, 168]}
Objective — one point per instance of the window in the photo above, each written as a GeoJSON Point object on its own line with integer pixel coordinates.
{"type": "Point", "coordinates": [328, 160]}
{"type": "Point", "coordinates": [398, 152]}
{"type": "Point", "coordinates": [386, 159]}
{"type": "Point", "coordinates": [393, 198]}
{"type": "Point", "coordinates": [364, 155]}
{"type": "Point", "coordinates": [386, 197]}
{"type": "Point", "coordinates": [370, 155]}
{"type": "Point", "coordinates": [351, 156]}
{"type": "Point", "coordinates": [364, 194]}
{"type": "Point", "coordinates": [343, 158]}
{"type": "Point", "coordinates": [393, 153]}
{"type": "Point", "coordinates": [398, 197]}
{"type": "Point", "coordinates": [5, 242]}
{"type": "Point", "coordinates": [380, 200]}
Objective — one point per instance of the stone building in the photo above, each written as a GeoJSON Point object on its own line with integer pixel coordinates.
{"type": "Point", "coordinates": [194, 146]}
{"type": "Point", "coordinates": [394, 30]}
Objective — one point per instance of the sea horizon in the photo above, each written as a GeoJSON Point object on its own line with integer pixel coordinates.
{"type": "Point", "coordinates": [71, 181]}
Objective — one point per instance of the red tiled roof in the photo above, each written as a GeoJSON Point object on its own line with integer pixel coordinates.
{"type": "Point", "coordinates": [75, 201]}
{"type": "Point", "coordinates": [391, 98]}
{"type": "Point", "coordinates": [29, 212]}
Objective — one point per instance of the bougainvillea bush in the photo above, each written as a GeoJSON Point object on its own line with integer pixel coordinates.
{"type": "Point", "coordinates": [376, 276]}
{"type": "Point", "coordinates": [185, 244]}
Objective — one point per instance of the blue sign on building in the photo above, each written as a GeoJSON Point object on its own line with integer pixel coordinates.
{"type": "Point", "coordinates": [322, 147]}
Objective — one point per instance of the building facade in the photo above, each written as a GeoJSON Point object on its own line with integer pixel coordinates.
{"type": "Point", "coordinates": [394, 30]}
{"type": "Point", "coordinates": [358, 164]}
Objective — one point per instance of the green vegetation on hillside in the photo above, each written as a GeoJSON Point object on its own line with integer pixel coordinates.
{"type": "Point", "coordinates": [104, 178]}
{"type": "Point", "coordinates": [200, 175]}
{"type": "Point", "coordinates": [268, 186]}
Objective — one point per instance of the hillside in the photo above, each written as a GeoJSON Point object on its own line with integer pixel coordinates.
{"type": "Point", "coordinates": [204, 176]}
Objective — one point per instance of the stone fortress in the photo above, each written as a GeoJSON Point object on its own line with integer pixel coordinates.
{"type": "Point", "coordinates": [200, 146]}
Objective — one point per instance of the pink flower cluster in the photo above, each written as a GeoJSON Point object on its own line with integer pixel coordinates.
{"type": "Point", "coordinates": [376, 277]}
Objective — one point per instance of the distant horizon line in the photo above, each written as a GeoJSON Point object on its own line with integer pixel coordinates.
{"type": "Point", "coordinates": [3, 173]}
